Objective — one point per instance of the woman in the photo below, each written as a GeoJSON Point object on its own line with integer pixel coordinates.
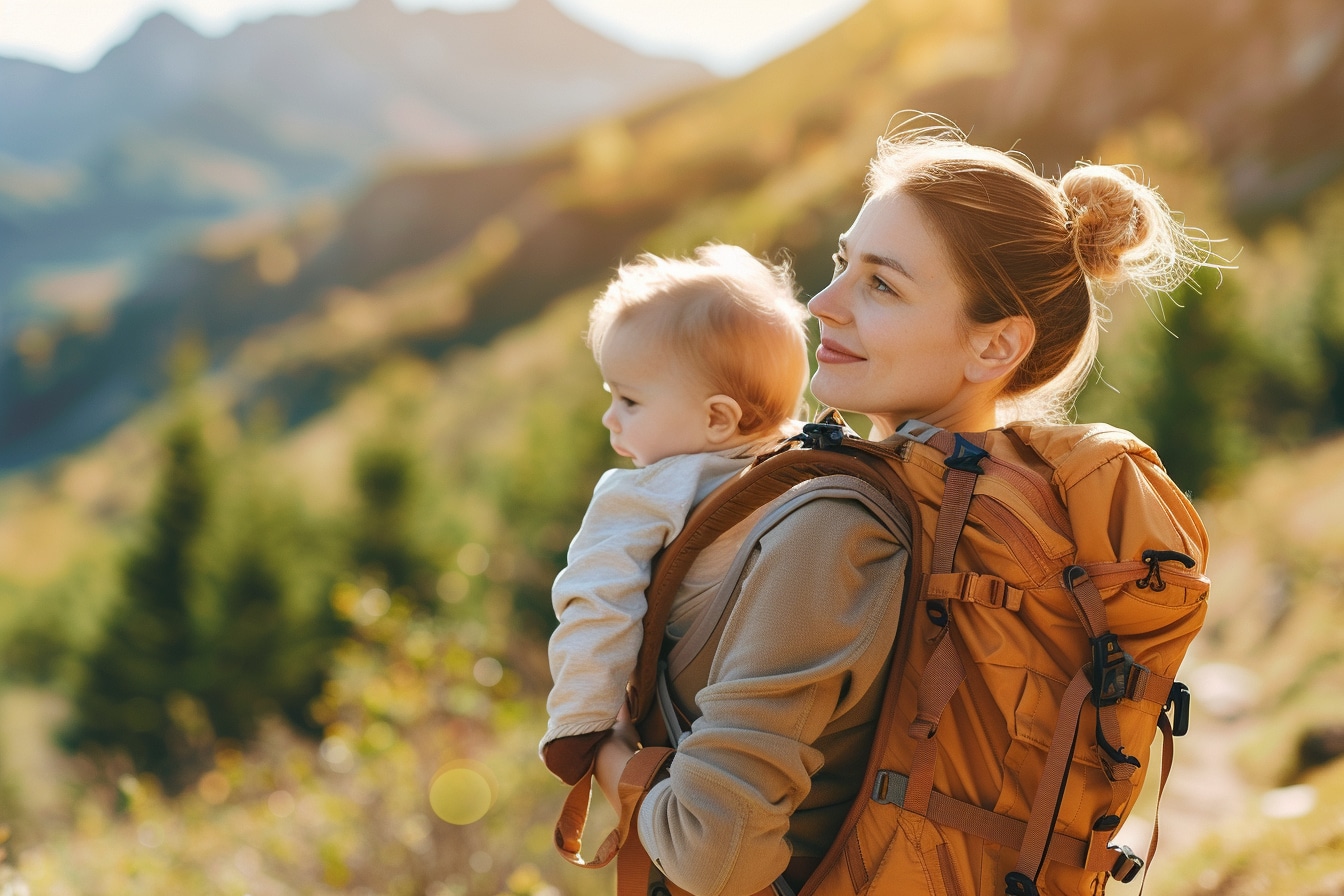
{"type": "Point", "coordinates": [964, 296]}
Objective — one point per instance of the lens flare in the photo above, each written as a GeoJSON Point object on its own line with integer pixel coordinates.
{"type": "Point", "coordinates": [462, 792]}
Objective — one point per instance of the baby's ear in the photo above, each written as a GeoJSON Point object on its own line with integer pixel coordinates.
{"type": "Point", "coordinates": [723, 413]}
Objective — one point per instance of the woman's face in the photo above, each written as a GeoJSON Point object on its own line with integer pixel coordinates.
{"type": "Point", "coordinates": [894, 344]}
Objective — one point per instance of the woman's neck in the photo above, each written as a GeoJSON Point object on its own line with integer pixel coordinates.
{"type": "Point", "coordinates": [965, 419]}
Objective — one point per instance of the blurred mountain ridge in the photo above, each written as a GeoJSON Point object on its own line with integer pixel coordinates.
{"type": "Point", "coordinates": [172, 130]}
{"type": "Point", "coordinates": [429, 257]}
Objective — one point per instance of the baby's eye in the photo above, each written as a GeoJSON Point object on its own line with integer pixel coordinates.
{"type": "Point", "coordinates": [628, 402]}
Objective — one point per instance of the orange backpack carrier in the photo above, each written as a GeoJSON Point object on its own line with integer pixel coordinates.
{"type": "Point", "coordinates": [1055, 583]}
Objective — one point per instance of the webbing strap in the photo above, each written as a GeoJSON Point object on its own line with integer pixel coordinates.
{"type": "Point", "coordinates": [1091, 609]}
{"type": "Point", "coordinates": [940, 680]}
{"type": "Point", "coordinates": [1168, 744]}
{"type": "Point", "coordinates": [944, 672]}
{"type": "Point", "coordinates": [636, 779]}
{"type": "Point", "coordinates": [971, 587]}
{"type": "Point", "coordinates": [957, 492]}
{"type": "Point", "coordinates": [1050, 789]}
{"type": "Point", "coordinates": [1002, 829]}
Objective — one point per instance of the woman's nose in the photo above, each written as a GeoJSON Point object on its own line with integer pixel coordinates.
{"type": "Point", "coordinates": [826, 305]}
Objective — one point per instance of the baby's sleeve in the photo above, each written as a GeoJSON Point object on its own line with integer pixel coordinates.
{"type": "Point", "coordinates": [599, 596]}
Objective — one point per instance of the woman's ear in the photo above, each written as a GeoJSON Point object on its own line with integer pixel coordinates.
{"type": "Point", "coordinates": [998, 348]}
{"type": "Point", "coordinates": [723, 415]}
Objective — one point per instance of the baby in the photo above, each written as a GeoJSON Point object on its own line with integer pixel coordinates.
{"type": "Point", "coordinates": [706, 362]}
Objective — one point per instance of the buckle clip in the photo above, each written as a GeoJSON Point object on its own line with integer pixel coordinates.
{"type": "Point", "coordinates": [1110, 670]}
{"type": "Point", "coordinates": [1127, 864]}
{"type": "Point", "coordinates": [1179, 700]}
{"type": "Point", "coordinates": [965, 456]}
{"type": "Point", "coordinates": [822, 435]}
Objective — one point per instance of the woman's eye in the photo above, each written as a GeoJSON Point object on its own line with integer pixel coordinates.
{"type": "Point", "coordinates": [881, 285]}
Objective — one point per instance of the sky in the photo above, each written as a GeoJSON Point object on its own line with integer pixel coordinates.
{"type": "Point", "coordinates": [728, 37]}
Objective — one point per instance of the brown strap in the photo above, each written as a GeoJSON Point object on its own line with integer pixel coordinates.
{"type": "Point", "coordinates": [637, 777]}
{"type": "Point", "coordinates": [957, 492]}
{"type": "Point", "coordinates": [1087, 603]}
{"type": "Point", "coordinates": [939, 681]}
{"type": "Point", "coordinates": [971, 587]}
{"type": "Point", "coordinates": [1004, 830]}
{"type": "Point", "coordinates": [944, 672]}
{"type": "Point", "coordinates": [1050, 789]}
{"type": "Point", "coordinates": [1167, 744]}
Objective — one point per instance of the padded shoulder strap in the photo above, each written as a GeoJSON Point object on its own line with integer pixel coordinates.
{"type": "Point", "coordinates": [721, 511]}
{"type": "Point", "coordinates": [701, 640]}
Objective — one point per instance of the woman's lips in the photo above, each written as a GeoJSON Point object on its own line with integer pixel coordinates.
{"type": "Point", "coordinates": [832, 353]}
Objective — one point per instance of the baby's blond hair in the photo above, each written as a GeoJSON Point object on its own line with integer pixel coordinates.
{"type": "Point", "coordinates": [733, 318]}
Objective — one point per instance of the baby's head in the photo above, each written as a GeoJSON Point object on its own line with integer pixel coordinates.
{"type": "Point", "coordinates": [699, 354]}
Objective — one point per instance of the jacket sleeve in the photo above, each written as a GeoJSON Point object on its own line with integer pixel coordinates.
{"type": "Point", "coordinates": [810, 632]}
{"type": "Point", "coordinates": [599, 597]}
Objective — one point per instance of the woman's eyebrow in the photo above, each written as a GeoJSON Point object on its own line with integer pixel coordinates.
{"type": "Point", "coordinates": [885, 261]}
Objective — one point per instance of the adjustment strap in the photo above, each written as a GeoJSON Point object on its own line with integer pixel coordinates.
{"type": "Point", "coordinates": [939, 681]}
{"type": "Point", "coordinates": [637, 777]}
{"type": "Point", "coordinates": [988, 825]}
{"type": "Point", "coordinates": [972, 587]}
{"type": "Point", "coordinates": [1168, 743]}
{"type": "Point", "coordinates": [1050, 790]}
{"type": "Point", "coordinates": [958, 489]}
{"type": "Point", "coordinates": [944, 672]}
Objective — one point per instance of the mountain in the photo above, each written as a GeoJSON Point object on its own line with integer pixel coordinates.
{"type": "Point", "coordinates": [171, 130]}
{"type": "Point", "coordinates": [427, 258]}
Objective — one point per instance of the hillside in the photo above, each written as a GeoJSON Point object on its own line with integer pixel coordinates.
{"type": "Point", "coordinates": [487, 245]}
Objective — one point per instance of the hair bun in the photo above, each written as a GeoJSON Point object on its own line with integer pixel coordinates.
{"type": "Point", "coordinates": [1116, 222]}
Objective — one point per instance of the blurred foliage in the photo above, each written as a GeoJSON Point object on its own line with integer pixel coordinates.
{"type": "Point", "coordinates": [383, 545]}
{"type": "Point", "coordinates": [131, 695]}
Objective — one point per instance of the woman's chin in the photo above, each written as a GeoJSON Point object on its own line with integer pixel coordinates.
{"type": "Point", "coordinates": [827, 391]}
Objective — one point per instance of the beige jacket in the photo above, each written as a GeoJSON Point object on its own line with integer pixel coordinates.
{"type": "Point", "coordinates": [809, 635]}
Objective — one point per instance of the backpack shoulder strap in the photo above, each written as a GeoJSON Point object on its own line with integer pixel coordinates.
{"type": "Point", "coordinates": [723, 509]}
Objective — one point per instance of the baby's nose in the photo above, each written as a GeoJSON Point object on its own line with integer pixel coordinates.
{"type": "Point", "coordinates": [609, 420]}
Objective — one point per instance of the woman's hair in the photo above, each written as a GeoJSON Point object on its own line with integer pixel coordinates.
{"type": "Point", "coordinates": [731, 318]}
{"type": "Point", "coordinates": [1021, 244]}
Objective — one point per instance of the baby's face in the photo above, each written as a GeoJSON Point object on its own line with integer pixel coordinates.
{"type": "Point", "coordinates": [658, 407]}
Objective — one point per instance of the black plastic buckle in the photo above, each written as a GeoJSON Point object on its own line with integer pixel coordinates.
{"type": "Point", "coordinates": [1110, 670]}
{"type": "Point", "coordinates": [1127, 864]}
{"type": "Point", "coordinates": [966, 456]}
{"type": "Point", "coordinates": [822, 435]}
{"type": "Point", "coordinates": [889, 788]}
{"type": "Point", "coordinates": [1018, 884]}
{"type": "Point", "coordinates": [1179, 700]}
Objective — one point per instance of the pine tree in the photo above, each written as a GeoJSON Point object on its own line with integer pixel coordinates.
{"type": "Point", "coordinates": [383, 543]}
{"type": "Point", "coordinates": [245, 650]}
{"type": "Point", "coordinates": [131, 677]}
